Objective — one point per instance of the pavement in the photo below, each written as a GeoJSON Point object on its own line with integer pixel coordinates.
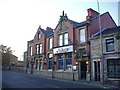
{"type": "Point", "coordinates": [83, 82]}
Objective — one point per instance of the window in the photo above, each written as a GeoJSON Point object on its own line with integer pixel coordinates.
{"type": "Point", "coordinates": [50, 43]}
{"type": "Point", "coordinates": [82, 35]}
{"type": "Point", "coordinates": [113, 68]}
{"type": "Point", "coordinates": [40, 48]}
{"type": "Point", "coordinates": [37, 49]}
{"type": "Point", "coordinates": [50, 61]}
{"type": "Point", "coordinates": [110, 45]}
{"type": "Point", "coordinates": [65, 38]}
{"type": "Point", "coordinates": [39, 35]}
{"type": "Point", "coordinates": [49, 64]}
{"type": "Point", "coordinates": [60, 40]}
{"type": "Point", "coordinates": [40, 64]}
{"type": "Point", "coordinates": [60, 62]}
{"type": "Point", "coordinates": [68, 58]}
{"type": "Point", "coordinates": [31, 51]}
{"type": "Point", "coordinates": [82, 52]}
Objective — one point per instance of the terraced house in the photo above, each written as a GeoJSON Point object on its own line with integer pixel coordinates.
{"type": "Point", "coordinates": [65, 51]}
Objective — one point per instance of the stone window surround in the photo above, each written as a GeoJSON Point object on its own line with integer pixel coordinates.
{"type": "Point", "coordinates": [105, 51]}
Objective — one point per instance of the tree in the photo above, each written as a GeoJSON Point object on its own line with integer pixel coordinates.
{"type": "Point", "coordinates": [7, 56]}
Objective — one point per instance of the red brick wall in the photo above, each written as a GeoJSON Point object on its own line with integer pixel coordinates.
{"type": "Point", "coordinates": [106, 21]}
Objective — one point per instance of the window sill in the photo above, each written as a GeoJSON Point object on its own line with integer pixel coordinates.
{"type": "Point", "coordinates": [60, 70]}
{"type": "Point", "coordinates": [110, 52]}
{"type": "Point", "coordinates": [49, 69]}
{"type": "Point", "coordinates": [114, 79]}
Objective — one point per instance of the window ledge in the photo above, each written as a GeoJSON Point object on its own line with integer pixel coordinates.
{"type": "Point", "coordinates": [114, 79]}
{"type": "Point", "coordinates": [49, 69]}
{"type": "Point", "coordinates": [60, 70]}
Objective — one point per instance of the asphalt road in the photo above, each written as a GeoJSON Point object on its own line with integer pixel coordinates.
{"type": "Point", "coordinates": [19, 80]}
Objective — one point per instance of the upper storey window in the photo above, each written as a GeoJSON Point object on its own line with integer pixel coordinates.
{"type": "Point", "coordinates": [63, 39]}
{"type": "Point", "coordinates": [110, 45]}
{"type": "Point", "coordinates": [60, 40]}
{"type": "Point", "coordinates": [50, 43]}
{"type": "Point", "coordinates": [82, 35]}
{"type": "Point", "coordinates": [31, 51]}
{"type": "Point", "coordinates": [39, 35]}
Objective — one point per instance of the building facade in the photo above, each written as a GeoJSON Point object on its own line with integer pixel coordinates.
{"type": "Point", "coordinates": [111, 55]}
{"type": "Point", "coordinates": [65, 51]}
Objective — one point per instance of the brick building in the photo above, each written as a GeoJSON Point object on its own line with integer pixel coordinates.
{"type": "Point", "coordinates": [111, 55]}
{"type": "Point", "coordinates": [65, 51]}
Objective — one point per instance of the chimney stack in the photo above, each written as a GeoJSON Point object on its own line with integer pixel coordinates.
{"type": "Point", "coordinates": [49, 29]}
{"type": "Point", "coordinates": [91, 13]}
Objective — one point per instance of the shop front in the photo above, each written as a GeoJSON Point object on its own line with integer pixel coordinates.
{"type": "Point", "coordinates": [64, 58]}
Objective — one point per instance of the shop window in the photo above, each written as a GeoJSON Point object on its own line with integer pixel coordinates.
{"type": "Point", "coordinates": [40, 64]}
{"type": "Point", "coordinates": [69, 64]}
{"type": "Point", "coordinates": [113, 66]}
{"type": "Point", "coordinates": [68, 58]}
{"type": "Point", "coordinates": [60, 62]}
{"type": "Point", "coordinates": [50, 64]}
{"type": "Point", "coordinates": [110, 45]}
{"type": "Point", "coordinates": [50, 61]}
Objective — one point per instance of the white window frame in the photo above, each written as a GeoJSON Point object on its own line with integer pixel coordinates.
{"type": "Point", "coordinates": [40, 48]}
{"type": "Point", "coordinates": [65, 38]}
{"type": "Point", "coordinates": [60, 40]}
{"type": "Point", "coordinates": [31, 51]}
{"type": "Point", "coordinates": [50, 43]}
{"type": "Point", "coordinates": [82, 35]}
{"type": "Point", "coordinates": [105, 49]}
{"type": "Point", "coordinates": [37, 49]}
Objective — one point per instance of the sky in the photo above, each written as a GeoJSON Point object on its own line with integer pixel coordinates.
{"type": "Point", "coordinates": [20, 19]}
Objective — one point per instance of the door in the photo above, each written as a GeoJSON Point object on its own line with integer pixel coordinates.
{"type": "Point", "coordinates": [97, 70]}
{"type": "Point", "coordinates": [83, 69]}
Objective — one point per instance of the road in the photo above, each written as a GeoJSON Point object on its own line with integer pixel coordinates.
{"type": "Point", "coordinates": [19, 80]}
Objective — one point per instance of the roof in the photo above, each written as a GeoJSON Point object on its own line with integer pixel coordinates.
{"type": "Point", "coordinates": [108, 31]}
{"type": "Point", "coordinates": [47, 33]}
{"type": "Point", "coordinates": [31, 41]}
{"type": "Point", "coordinates": [101, 16]}
{"type": "Point", "coordinates": [76, 24]}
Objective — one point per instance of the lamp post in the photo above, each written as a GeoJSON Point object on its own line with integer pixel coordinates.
{"type": "Point", "coordinates": [101, 47]}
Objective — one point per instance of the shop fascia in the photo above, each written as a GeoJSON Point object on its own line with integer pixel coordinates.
{"type": "Point", "coordinates": [64, 49]}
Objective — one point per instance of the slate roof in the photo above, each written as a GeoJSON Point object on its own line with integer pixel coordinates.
{"type": "Point", "coordinates": [77, 24]}
{"type": "Point", "coordinates": [47, 33]}
{"type": "Point", "coordinates": [108, 31]}
{"type": "Point", "coordinates": [31, 41]}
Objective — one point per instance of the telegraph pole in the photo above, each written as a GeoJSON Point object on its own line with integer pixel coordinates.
{"type": "Point", "coordinates": [101, 47]}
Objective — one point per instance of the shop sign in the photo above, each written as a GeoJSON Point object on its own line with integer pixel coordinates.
{"type": "Point", "coordinates": [50, 55]}
{"type": "Point", "coordinates": [63, 49]}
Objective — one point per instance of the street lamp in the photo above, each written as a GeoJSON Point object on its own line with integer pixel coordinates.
{"type": "Point", "coordinates": [101, 47]}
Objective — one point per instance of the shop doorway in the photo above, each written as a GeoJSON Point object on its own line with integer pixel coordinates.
{"type": "Point", "coordinates": [97, 70]}
{"type": "Point", "coordinates": [83, 69]}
